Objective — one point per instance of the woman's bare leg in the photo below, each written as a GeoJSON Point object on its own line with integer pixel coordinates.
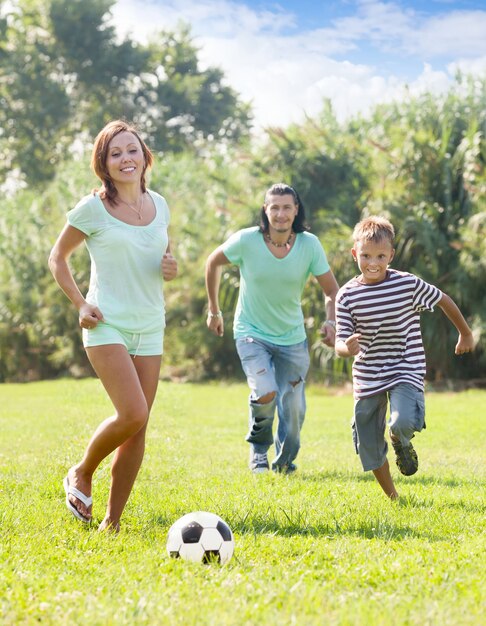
{"type": "Point", "coordinates": [128, 457]}
{"type": "Point", "coordinates": [117, 372]}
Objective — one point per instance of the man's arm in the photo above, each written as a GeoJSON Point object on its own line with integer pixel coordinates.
{"type": "Point", "coordinates": [330, 288]}
{"type": "Point", "coordinates": [214, 265]}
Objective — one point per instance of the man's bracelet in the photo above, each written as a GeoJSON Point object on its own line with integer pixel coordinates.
{"type": "Point", "coordinates": [331, 323]}
{"type": "Point", "coordinates": [214, 315]}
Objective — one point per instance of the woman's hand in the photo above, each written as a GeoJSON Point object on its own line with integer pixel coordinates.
{"type": "Point", "coordinates": [89, 316]}
{"type": "Point", "coordinates": [169, 267]}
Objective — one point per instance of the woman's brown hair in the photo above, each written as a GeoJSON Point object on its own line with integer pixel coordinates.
{"type": "Point", "coordinates": [99, 157]}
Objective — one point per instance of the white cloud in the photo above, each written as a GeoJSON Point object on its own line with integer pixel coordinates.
{"type": "Point", "coordinates": [379, 22]}
{"type": "Point", "coordinates": [389, 26]}
{"type": "Point", "coordinates": [220, 18]}
{"type": "Point", "coordinates": [287, 73]}
{"type": "Point", "coordinates": [468, 66]}
{"type": "Point", "coordinates": [435, 81]}
{"type": "Point", "coordinates": [283, 78]}
{"type": "Point", "coordinates": [455, 34]}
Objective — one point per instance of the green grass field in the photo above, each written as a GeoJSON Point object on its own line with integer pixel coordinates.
{"type": "Point", "coordinates": [323, 546]}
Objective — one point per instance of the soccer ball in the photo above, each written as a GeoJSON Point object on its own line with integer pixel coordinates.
{"type": "Point", "coordinates": [202, 537]}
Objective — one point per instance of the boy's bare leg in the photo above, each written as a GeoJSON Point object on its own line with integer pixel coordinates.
{"type": "Point", "coordinates": [383, 476]}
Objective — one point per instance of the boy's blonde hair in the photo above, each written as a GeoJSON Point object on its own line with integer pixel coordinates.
{"type": "Point", "coordinates": [374, 229]}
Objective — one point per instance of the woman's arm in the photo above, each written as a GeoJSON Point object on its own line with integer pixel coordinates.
{"type": "Point", "coordinates": [169, 265]}
{"type": "Point", "coordinates": [69, 239]}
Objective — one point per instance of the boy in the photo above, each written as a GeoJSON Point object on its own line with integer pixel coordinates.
{"type": "Point", "coordinates": [378, 322]}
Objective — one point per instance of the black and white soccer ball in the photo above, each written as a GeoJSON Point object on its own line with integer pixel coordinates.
{"type": "Point", "coordinates": [202, 537]}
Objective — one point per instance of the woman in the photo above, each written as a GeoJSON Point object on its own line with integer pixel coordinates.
{"type": "Point", "coordinates": [124, 226]}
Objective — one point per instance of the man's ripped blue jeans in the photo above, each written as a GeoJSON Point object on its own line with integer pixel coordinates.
{"type": "Point", "coordinates": [281, 369]}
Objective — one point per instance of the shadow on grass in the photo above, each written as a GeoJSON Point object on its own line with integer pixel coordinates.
{"type": "Point", "coordinates": [294, 523]}
{"type": "Point", "coordinates": [413, 500]}
{"type": "Point", "coordinates": [372, 529]}
{"type": "Point", "coordinates": [263, 525]}
{"type": "Point", "coordinates": [374, 523]}
{"type": "Point", "coordinates": [323, 476]}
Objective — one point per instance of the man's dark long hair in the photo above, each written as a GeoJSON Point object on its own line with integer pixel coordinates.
{"type": "Point", "coordinates": [281, 189]}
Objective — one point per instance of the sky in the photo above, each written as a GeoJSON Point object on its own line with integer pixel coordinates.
{"type": "Point", "coordinates": [286, 57]}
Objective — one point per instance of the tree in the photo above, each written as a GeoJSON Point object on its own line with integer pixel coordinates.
{"type": "Point", "coordinates": [64, 74]}
{"type": "Point", "coordinates": [39, 333]}
{"type": "Point", "coordinates": [420, 162]}
{"type": "Point", "coordinates": [428, 156]}
{"type": "Point", "coordinates": [180, 104]}
{"type": "Point", "coordinates": [99, 73]}
{"type": "Point", "coordinates": [35, 108]}
{"type": "Point", "coordinates": [323, 162]}
{"type": "Point", "coordinates": [330, 169]}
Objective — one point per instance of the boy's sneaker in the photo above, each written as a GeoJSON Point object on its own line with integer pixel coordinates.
{"type": "Point", "coordinates": [406, 458]}
{"type": "Point", "coordinates": [259, 462]}
{"type": "Point", "coordinates": [285, 469]}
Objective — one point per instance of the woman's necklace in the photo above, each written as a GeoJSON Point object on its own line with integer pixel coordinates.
{"type": "Point", "coordinates": [280, 245]}
{"type": "Point", "coordinates": [136, 210]}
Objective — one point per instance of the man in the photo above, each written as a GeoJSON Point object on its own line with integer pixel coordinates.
{"type": "Point", "coordinates": [275, 260]}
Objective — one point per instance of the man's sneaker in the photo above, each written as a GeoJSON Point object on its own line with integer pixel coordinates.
{"type": "Point", "coordinates": [406, 458]}
{"type": "Point", "coordinates": [259, 462]}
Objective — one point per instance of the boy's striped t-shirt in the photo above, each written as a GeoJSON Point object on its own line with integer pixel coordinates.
{"type": "Point", "coordinates": [387, 315]}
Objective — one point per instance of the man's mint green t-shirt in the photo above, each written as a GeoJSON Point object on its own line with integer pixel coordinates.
{"type": "Point", "coordinates": [269, 301]}
{"type": "Point", "coordinates": [126, 279]}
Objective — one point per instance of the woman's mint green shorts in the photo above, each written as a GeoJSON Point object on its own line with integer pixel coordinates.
{"type": "Point", "coordinates": [137, 344]}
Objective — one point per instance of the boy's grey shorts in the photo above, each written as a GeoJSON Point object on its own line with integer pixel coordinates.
{"type": "Point", "coordinates": [407, 416]}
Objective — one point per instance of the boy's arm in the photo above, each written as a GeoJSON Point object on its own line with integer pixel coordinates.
{"type": "Point", "coordinates": [465, 342]}
{"type": "Point", "coordinates": [349, 347]}
{"type": "Point", "coordinates": [344, 325]}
